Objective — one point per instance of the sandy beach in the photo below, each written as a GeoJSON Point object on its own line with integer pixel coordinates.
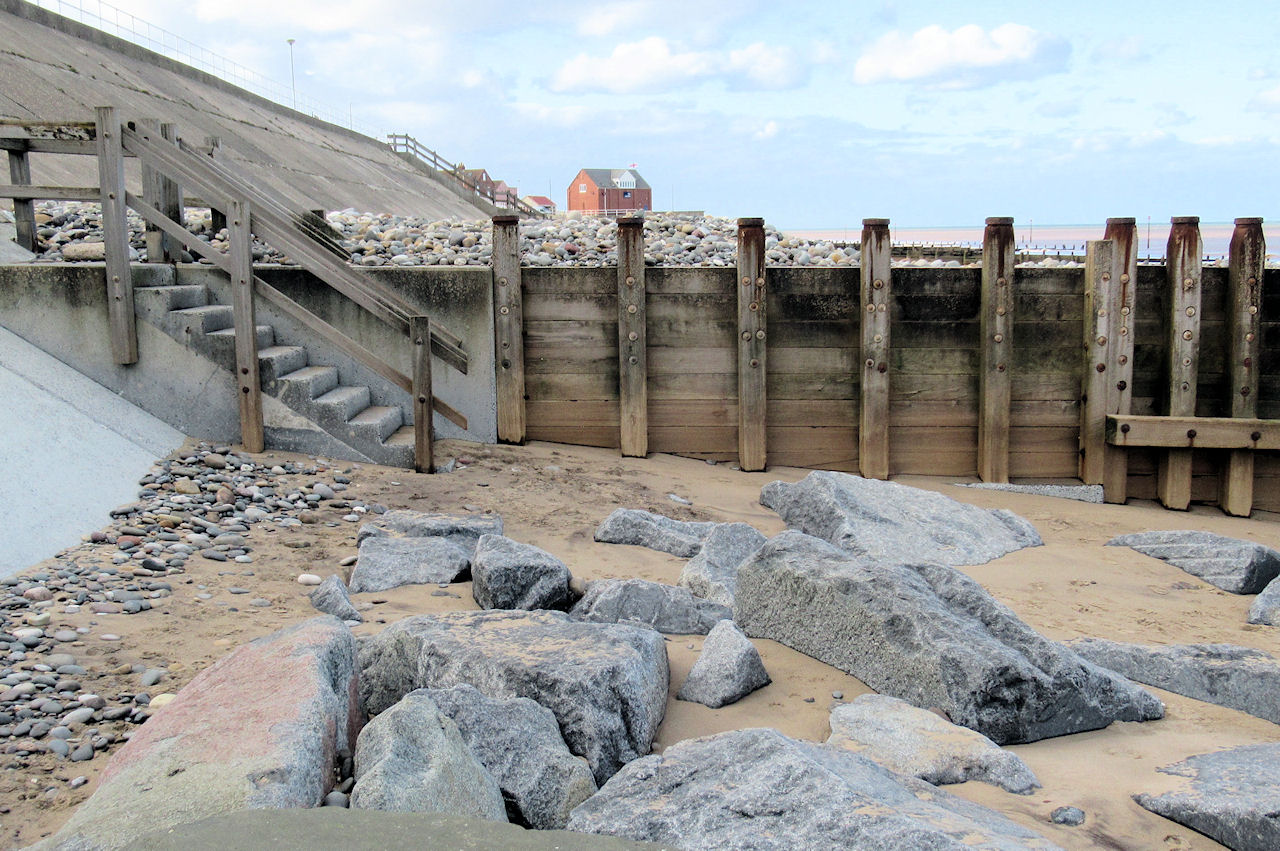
{"type": "Point", "coordinates": [554, 496]}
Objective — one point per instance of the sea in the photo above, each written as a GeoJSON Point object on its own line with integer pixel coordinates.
{"type": "Point", "coordinates": [1033, 238]}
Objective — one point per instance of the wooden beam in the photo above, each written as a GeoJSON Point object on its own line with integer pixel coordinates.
{"type": "Point", "coordinates": [218, 221]}
{"type": "Point", "coordinates": [165, 194]}
{"type": "Point", "coordinates": [1100, 297]}
{"type": "Point", "coordinates": [1244, 348]}
{"type": "Point", "coordinates": [1184, 251]}
{"type": "Point", "coordinates": [423, 427]}
{"type": "Point", "coordinates": [633, 371]}
{"type": "Point", "coordinates": [151, 191]}
{"type": "Point", "coordinates": [50, 146]}
{"type": "Point", "coordinates": [240, 249]}
{"type": "Point", "coordinates": [508, 328]}
{"type": "Point", "coordinates": [1194, 432]}
{"type": "Point", "coordinates": [875, 296]}
{"type": "Point", "coordinates": [1122, 232]}
{"type": "Point", "coordinates": [996, 328]}
{"type": "Point", "coordinates": [752, 346]}
{"type": "Point", "coordinates": [25, 192]}
{"type": "Point", "coordinates": [24, 212]}
{"type": "Point", "coordinates": [115, 236]}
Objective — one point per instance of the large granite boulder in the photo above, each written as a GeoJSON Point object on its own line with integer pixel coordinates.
{"type": "Point", "coordinates": [666, 608]}
{"type": "Point", "coordinates": [713, 573]}
{"type": "Point", "coordinates": [1241, 567]}
{"type": "Point", "coordinates": [1226, 674]}
{"type": "Point", "coordinates": [889, 522]}
{"type": "Point", "coordinates": [1232, 797]}
{"type": "Point", "coordinates": [605, 683]}
{"type": "Point", "coordinates": [728, 669]}
{"type": "Point", "coordinates": [519, 742]}
{"type": "Point", "coordinates": [908, 740]}
{"type": "Point", "coordinates": [1266, 608]}
{"type": "Point", "coordinates": [758, 789]}
{"type": "Point", "coordinates": [411, 758]}
{"type": "Point", "coordinates": [931, 636]}
{"type": "Point", "coordinates": [464, 530]}
{"type": "Point", "coordinates": [507, 574]}
{"type": "Point", "coordinates": [645, 529]}
{"type": "Point", "coordinates": [331, 597]}
{"type": "Point", "coordinates": [259, 728]}
{"type": "Point", "coordinates": [387, 562]}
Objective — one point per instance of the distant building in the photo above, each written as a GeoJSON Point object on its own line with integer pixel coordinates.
{"type": "Point", "coordinates": [477, 177]}
{"type": "Point", "coordinates": [541, 203]}
{"type": "Point", "coordinates": [504, 195]}
{"type": "Point", "coordinates": [604, 190]}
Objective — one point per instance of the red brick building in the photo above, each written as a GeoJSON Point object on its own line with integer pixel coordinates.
{"type": "Point", "coordinates": [609, 190]}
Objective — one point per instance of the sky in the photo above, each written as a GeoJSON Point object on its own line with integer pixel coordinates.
{"type": "Point", "coordinates": [810, 114]}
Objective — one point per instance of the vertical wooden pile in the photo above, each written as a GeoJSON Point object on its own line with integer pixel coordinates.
{"type": "Point", "coordinates": [115, 237]}
{"type": "Point", "coordinates": [1184, 252]}
{"type": "Point", "coordinates": [752, 345]}
{"type": "Point", "coordinates": [996, 324]}
{"type": "Point", "coordinates": [240, 249]}
{"type": "Point", "coordinates": [1244, 346]}
{"type": "Point", "coordinates": [165, 195]}
{"type": "Point", "coordinates": [633, 371]}
{"type": "Point", "coordinates": [876, 299]}
{"type": "Point", "coordinates": [24, 209]}
{"type": "Point", "coordinates": [508, 329]}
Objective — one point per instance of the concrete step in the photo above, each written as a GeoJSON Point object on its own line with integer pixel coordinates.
{"type": "Point", "coordinates": [346, 400]}
{"type": "Point", "coordinates": [277, 361]}
{"type": "Point", "coordinates": [223, 341]}
{"type": "Point", "coordinates": [306, 384]}
{"type": "Point", "coordinates": [165, 299]}
{"type": "Point", "coordinates": [382, 420]}
{"type": "Point", "coordinates": [206, 318]}
{"type": "Point", "coordinates": [403, 437]}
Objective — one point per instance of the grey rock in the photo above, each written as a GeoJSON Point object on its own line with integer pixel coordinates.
{"type": "Point", "coordinates": [461, 529]}
{"type": "Point", "coordinates": [728, 669]}
{"type": "Point", "coordinates": [932, 636]}
{"type": "Point", "coordinates": [519, 742]}
{"type": "Point", "coordinates": [507, 574]}
{"type": "Point", "coordinates": [1240, 567]}
{"type": "Point", "coordinates": [411, 758]}
{"type": "Point", "coordinates": [336, 799]}
{"type": "Point", "coordinates": [331, 597]}
{"type": "Point", "coordinates": [1232, 797]}
{"type": "Point", "coordinates": [889, 522]}
{"type": "Point", "coordinates": [1226, 674]}
{"type": "Point", "coordinates": [713, 573]}
{"type": "Point", "coordinates": [908, 740]}
{"type": "Point", "coordinates": [1070, 816]}
{"type": "Point", "coordinates": [605, 683]}
{"type": "Point", "coordinates": [666, 608]}
{"type": "Point", "coordinates": [389, 562]}
{"type": "Point", "coordinates": [645, 529]}
{"type": "Point", "coordinates": [1266, 608]}
{"type": "Point", "coordinates": [758, 789]}
{"type": "Point", "coordinates": [1079, 493]}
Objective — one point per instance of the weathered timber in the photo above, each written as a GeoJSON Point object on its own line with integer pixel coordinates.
{"type": "Point", "coordinates": [1194, 432]}
{"type": "Point", "coordinates": [1244, 346]}
{"type": "Point", "coordinates": [240, 249]}
{"type": "Point", "coordinates": [24, 212]}
{"type": "Point", "coordinates": [1122, 232]}
{"type": "Point", "coordinates": [508, 323]}
{"type": "Point", "coordinates": [115, 237]}
{"type": "Point", "coordinates": [996, 321]}
{"type": "Point", "coordinates": [218, 219]}
{"type": "Point", "coordinates": [752, 346]}
{"type": "Point", "coordinates": [875, 296]}
{"type": "Point", "coordinates": [1099, 357]}
{"type": "Point", "coordinates": [1184, 251]}
{"type": "Point", "coordinates": [632, 341]}
{"type": "Point", "coordinates": [423, 427]}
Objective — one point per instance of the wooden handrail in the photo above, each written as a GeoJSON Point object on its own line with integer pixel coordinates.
{"type": "Point", "coordinates": [50, 193]}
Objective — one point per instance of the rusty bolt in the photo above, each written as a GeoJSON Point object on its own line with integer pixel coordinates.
{"type": "Point", "coordinates": [1187, 335]}
{"type": "Point", "coordinates": [755, 305]}
{"type": "Point", "coordinates": [1255, 436]}
{"type": "Point", "coordinates": [633, 360]}
{"type": "Point", "coordinates": [1124, 359]}
{"type": "Point", "coordinates": [754, 362]}
{"type": "Point", "coordinates": [1124, 428]}
{"type": "Point", "coordinates": [760, 281]}
{"type": "Point", "coordinates": [878, 284]}
{"type": "Point", "coordinates": [1252, 280]}
{"type": "Point", "coordinates": [871, 308]}
{"type": "Point", "coordinates": [1249, 338]}
{"type": "Point", "coordinates": [1102, 311]}
{"type": "Point", "coordinates": [1106, 277]}
{"type": "Point", "coordinates": [1124, 311]}
{"type": "Point", "coordinates": [878, 338]}
{"type": "Point", "coordinates": [1102, 367]}
{"type": "Point", "coordinates": [1124, 278]}
{"type": "Point", "coordinates": [870, 363]}
{"type": "Point", "coordinates": [506, 344]}
{"type": "Point", "coordinates": [760, 335]}
{"type": "Point", "coordinates": [1102, 341]}
{"type": "Point", "coordinates": [1191, 311]}
{"type": "Point", "coordinates": [244, 390]}
{"type": "Point", "coordinates": [1244, 391]}
{"type": "Point", "coordinates": [1253, 309]}
{"type": "Point", "coordinates": [999, 338]}
{"type": "Point", "coordinates": [244, 370]}
{"type": "Point", "coordinates": [1124, 331]}
{"type": "Point", "coordinates": [422, 400]}
{"type": "Point", "coordinates": [631, 308]}
{"type": "Point", "coordinates": [746, 282]}
{"type": "Point", "coordinates": [633, 336]}
{"type": "Point", "coordinates": [1000, 311]}
{"type": "Point", "coordinates": [1191, 434]}
{"type": "Point", "coordinates": [631, 280]}
{"type": "Point", "coordinates": [746, 335]}
{"type": "Point", "coordinates": [1248, 362]}
{"type": "Point", "coordinates": [884, 367]}
{"type": "Point", "coordinates": [504, 310]}
{"type": "Point", "coordinates": [1001, 281]}
{"type": "Point", "coordinates": [502, 282]}
{"type": "Point", "coordinates": [1188, 283]}
{"type": "Point", "coordinates": [1121, 385]}
{"type": "Point", "coordinates": [506, 364]}
{"type": "Point", "coordinates": [999, 367]}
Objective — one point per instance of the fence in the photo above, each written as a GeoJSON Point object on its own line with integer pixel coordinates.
{"type": "Point", "coordinates": [888, 371]}
{"type": "Point", "coordinates": [403, 143]}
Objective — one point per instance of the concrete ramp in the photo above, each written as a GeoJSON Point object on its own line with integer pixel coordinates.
{"type": "Point", "coordinates": [72, 451]}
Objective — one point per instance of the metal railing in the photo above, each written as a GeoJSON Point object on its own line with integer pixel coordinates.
{"type": "Point", "coordinates": [403, 143]}
{"type": "Point", "coordinates": [117, 22]}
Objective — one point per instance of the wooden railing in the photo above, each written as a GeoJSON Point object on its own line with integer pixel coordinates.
{"type": "Point", "coordinates": [168, 162]}
{"type": "Point", "coordinates": [402, 143]}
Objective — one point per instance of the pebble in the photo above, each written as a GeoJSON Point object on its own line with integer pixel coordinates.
{"type": "Point", "coordinates": [1070, 816]}
{"type": "Point", "coordinates": [309, 579]}
{"type": "Point", "coordinates": [84, 753]}
{"type": "Point", "coordinates": [837, 695]}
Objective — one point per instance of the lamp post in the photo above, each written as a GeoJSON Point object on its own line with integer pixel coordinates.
{"type": "Point", "coordinates": [293, 80]}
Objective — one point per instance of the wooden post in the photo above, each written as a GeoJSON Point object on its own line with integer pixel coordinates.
{"type": "Point", "coordinates": [163, 194]}
{"type": "Point", "coordinates": [875, 294]}
{"type": "Point", "coordinates": [996, 325]}
{"type": "Point", "coordinates": [752, 300]}
{"type": "Point", "coordinates": [171, 201]}
{"type": "Point", "coordinates": [1122, 232]}
{"type": "Point", "coordinates": [240, 248]}
{"type": "Point", "coordinates": [218, 219]}
{"type": "Point", "coordinates": [1100, 297]}
{"type": "Point", "coordinates": [423, 427]}
{"type": "Point", "coordinates": [1183, 252]}
{"type": "Point", "coordinates": [508, 328]}
{"type": "Point", "coordinates": [1244, 332]}
{"type": "Point", "coordinates": [633, 370]}
{"type": "Point", "coordinates": [115, 236]}
{"type": "Point", "coordinates": [24, 209]}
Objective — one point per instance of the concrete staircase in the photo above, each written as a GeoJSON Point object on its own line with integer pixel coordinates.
{"type": "Point", "coordinates": [382, 434]}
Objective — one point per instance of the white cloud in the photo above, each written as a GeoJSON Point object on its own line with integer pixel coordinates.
{"type": "Point", "coordinates": [652, 64]}
{"type": "Point", "coordinates": [768, 131]}
{"type": "Point", "coordinates": [608, 19]}
{"type": "Point", "coordinates": [1268, 100]}
{"type": "Point", "coordinates": [964, 57]}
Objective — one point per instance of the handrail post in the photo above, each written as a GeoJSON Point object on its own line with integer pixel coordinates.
{"type": "Point", "coordinates": [508, 328]}
{"type": "Point", "coordinates": [239, 244]}
{"type": "Point", "coordinates": [115, 237]}
{"type": "Point", "coordinates": [423, 427]}
{"type": "Point", "coordinates": [24, 209]}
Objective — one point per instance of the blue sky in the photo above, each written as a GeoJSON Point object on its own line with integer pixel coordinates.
{"type": "Point", "coordinates": [811, 114]}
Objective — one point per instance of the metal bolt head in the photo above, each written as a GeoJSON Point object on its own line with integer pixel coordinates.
{"type": "Point", "coordinates": [746, 335]}
{"type": "Point", "coordinates": [760, 281]}
{"type": "Point", "coordinates": [633, 336]}
{"type": "Point", "coordinates": [760, 335]}
{"type": "Point", "coordinates": [1249, 338]}
{"type": "Point", "coordinates": [1124, 311]}
{"type": "Point", "coordinates": [502, 282]}
{"type": "Point", "coordinates": [1191, 311]}
{"type": "Point", "coordinates": [1124, 278]}
{"type": "Point", "coordinates": [1001, 311]}
{"type": "Point", "coordinates": [999, 367]}
{"type": "Point", "coordinates": [883, 308]}
{"type": "Point", "coordinates": [755, 305]}
{"type": "Point", "coordinates": [631, 280]}
{"type": "Point", "coordinates": [631, 308]}
{"type": "Point", "coordinates": [878, 284]}
{"type": "Point", "coordinates": [871, 308]}
{"type": "Point", "coordinates": [1186, 362]}
{"type": "Point", "coordinates": [870, 363]}
{"type": "Point", "coordinates": [999, 338]}
{"type": "Point", "coordinates": [1187, 335]}
{"type": "Point", "coordinates": [504, 310]}
{"type": "Point", "coordinates": [1252, 280]}
{"type": "Point", "coordinates": [633, 360]}
{"type": "Point", "coordinates": [1001, 281]}
{"type": "Point", "coordinates": [1123, 359]}
{"type": "Point", "coordinates": [746, 282]}
{"type": "Point", "coordinates": [755, 362]}
{"type": "Point", "coordinates": [1102, 341]}
{"type": "Point", "coordinates": [878, 338]}
{"type": "Point", "coordinates": [1106, 277]}
{"type": "Point", "coordinates": [1253, 309]}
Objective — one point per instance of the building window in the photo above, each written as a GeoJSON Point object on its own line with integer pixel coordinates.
{"type": "Point", "coordinates": [582, 187]}
{"type": "Point", "coordinates": [626, 194]}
